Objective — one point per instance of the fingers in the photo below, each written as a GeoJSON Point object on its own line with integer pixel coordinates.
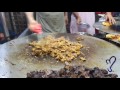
{"type": "Point", "coordinates": [106, 17]}
{"type": "Point", "coordinates": [78, 21]}
{"type": "Point", "coordinates": [37, 28]}
{"type": "Point", "coordinates": [112, 20]}
{"type": "Point", "coordinates": [37, 31]}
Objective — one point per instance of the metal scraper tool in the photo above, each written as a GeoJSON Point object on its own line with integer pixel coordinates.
{"type": "Point", "coordinates": [37, 31]}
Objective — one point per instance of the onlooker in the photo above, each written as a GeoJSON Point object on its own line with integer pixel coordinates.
{"type": "Point", "coordinates": [86, 17]}
{"type": "Point", "coordinates": [89, 18]}
{"type": "Point", "coordinates": [78, 19]}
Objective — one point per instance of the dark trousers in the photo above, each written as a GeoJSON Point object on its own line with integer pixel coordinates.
{"type": "Point", "coordinates": [69, 21]}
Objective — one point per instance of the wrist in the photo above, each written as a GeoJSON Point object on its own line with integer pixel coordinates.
{"type": "Point", "coordinates": [30, 19]}
{"type": "Point", "coordinates": [108, 13]}
{"type": "Point", "coordinates": [78, 17]}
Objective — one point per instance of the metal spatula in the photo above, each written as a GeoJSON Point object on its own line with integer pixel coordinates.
{"type": "Point", "coordinates": [38, 31]}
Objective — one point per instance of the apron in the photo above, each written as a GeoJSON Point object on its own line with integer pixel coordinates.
{"type": "Point", "coordinates": [52, 22]}
{"type": "Point", "coordinates": [86, 17]}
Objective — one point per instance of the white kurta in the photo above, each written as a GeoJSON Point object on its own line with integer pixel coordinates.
{"type": "Point", "coordinates": [86, 17]}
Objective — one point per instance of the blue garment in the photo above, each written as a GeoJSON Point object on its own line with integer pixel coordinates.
{"type": "Point", "coordinates": [1, 26]}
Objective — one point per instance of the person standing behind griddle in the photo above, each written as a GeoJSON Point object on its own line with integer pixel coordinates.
{"type": "Point", "coordinates": [89, 18]}
{"type": "Point", "coordinates": [50, 22]}
{"type": "Point", "coordinates": [78, 20]}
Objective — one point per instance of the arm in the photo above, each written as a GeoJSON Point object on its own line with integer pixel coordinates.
{"type": "Point", "coordinates": [65, 13]}
{"type": "Point", "coordinates": [29, 16]}
{"type": "Point", "coordinates": [110, 18]}
{"type": "Point", "coordinates": [33, 25]}
{"type": "Point", "coordinates": [66, 17]}
{"type": "Point", "coordinates": [76, 14]}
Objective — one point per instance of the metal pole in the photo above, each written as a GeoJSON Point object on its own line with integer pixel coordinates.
{"type": "Point", "coordinates": [5, 25]}
{"type": "Point", "coordinates": [11, 21]}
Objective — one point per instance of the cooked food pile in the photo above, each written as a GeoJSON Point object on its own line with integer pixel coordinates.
{"type": "Point", "coordinates": [106, 23]}
{"type": "Point", "coordinates": [59, 48]}
{"type": "Point", "coordinates": [113, 37]}
{"type": "Point", "coordinates": [72, 72]}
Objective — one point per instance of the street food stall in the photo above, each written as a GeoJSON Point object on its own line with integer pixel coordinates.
{"type": "Point", "coordinates": [18, 59]}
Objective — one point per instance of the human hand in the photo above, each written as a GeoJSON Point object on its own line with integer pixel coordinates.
{"type": "Point", "coordinates": [110, 18]}
{"type": "Point", "coordinates": [35, 27]}
{"type": "Point", "coordinates": [77, 16]}
{"type": "Point", "coordinates": [78, 20]}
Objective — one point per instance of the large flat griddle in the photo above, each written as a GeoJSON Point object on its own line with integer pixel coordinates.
{"type": "Point", "coordinates": [15, 64]}
{"type": "Point", "coordinates": [108, 30]}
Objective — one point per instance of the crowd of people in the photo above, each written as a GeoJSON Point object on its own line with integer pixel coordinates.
{"type": "Point", "coordinates": [54, 21]}
{"type": "Point", "coordinates": [61, 22]}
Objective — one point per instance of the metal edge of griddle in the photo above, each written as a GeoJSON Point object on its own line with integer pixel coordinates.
{"type": "Point", "coordinates": [83, 33]}
{"type": "Point", "coordinates": [98, 26]}
{"type": "Point", "coordinates": [103, 37]}
{"type": "Point", "coordinates": [117, 43]}
{"type": "Point", "coordinates": [88, 38]}
{"type": "Point", "coordinates": [113, 42]}
{"type": "Point", "coordinates": [33, 37]}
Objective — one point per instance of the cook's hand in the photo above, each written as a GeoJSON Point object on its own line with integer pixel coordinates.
{"type": "Point", "coordinates": [77, 16]}
{"type": "Point", "coordinates": [2, 37]}
{"type": "Point", "coordinates": [78, 20]}
{"type": "Point", "coordinates": [110, 18]}
{"type": "Point", "coordinates": [35, 27]}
